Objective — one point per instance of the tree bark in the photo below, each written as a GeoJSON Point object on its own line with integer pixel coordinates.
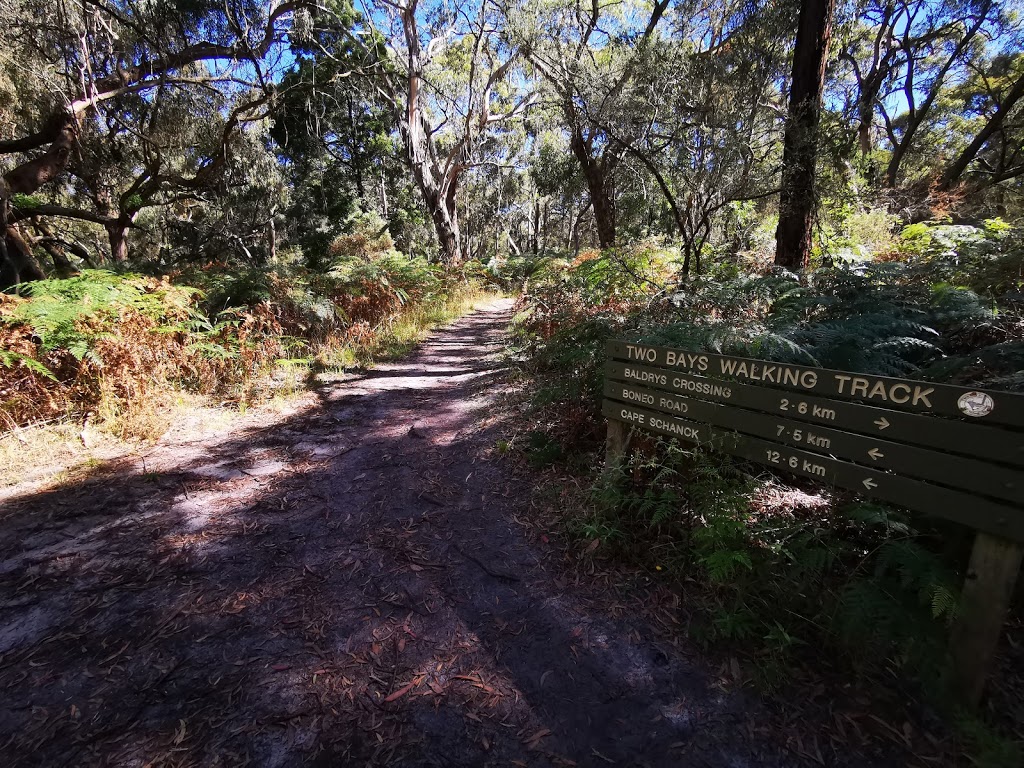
{"type": "Point", "coordinates": [22, 264]}
{"type": "Point", "coordinates": [30, 176]}
{"type": "Point", "coordinates": [117, 236]}
{"type": "Point", "coordinates": [446, 224]}
{"type": "Point", "coordinates": [598, 175]}
{"type": "Point", "coordinates": [272, 240]}
{"type": "Point", "coordinates": [62, 266]}
{"type": "Point", "coordinates": [800, 145]}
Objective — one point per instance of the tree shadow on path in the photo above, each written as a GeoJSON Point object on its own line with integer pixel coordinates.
{"type": "Point", "coordinates": [345, 586]}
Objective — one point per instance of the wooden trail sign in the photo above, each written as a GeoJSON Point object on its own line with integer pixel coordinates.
{"type": "Point", "coordinates": [985, 478]}
{"type": "Point", "coordinates": [882, 391]}
{"type": "Point", "coordinates": [979, 513]}
{"type": "Point", "coordinates": [954, 452]}
{"type": "Point", "coordinates": [966, 438]}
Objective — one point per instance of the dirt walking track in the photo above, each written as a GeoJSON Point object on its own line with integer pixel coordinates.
{"type": "Point", "coordinates": [348, 586]}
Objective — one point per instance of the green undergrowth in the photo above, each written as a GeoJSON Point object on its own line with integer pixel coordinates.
{"type": "Point", "coordinates": [784, 570]}
{"type": "Point", "coordinates": [119, 345]}
{"type": "Point", "coordinates": [792, 575]}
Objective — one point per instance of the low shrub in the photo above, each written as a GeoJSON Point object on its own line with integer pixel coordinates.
{"type": "Point", "coordinates": [783, 571]}
{"type": "Point", "coordinates": [117, 345]}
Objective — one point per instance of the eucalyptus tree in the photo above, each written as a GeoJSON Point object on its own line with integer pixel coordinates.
{"type": "Point", "coordinates": [589, 55]}
{"type": "Point", "coordinates": [800, 143]}
{"type": "Point", "coordinates": [333, 134]}
{"type": "Point", "coordinates": [991, 108]}
{"type": "Point", "coordinates": [703, 114]}
{"type": "Point", "coordinates": [905, 58]}
{"type": "Point", "coordinates": [78, 66]}
{"type": "Point", "coordinates": [448, 81]}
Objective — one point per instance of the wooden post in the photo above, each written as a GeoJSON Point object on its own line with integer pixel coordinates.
{"type": "Point", "coordinates": [615, 443]}
{"type": "Point", "coordinates": [988, 588]}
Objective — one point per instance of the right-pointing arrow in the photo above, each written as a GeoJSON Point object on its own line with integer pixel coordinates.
{"type": "Point", "coordinates": [876, 454]}
{"type": "Point", "coordinates": [882, 423]}
{"type": "Point", "coordinates": [869, 483]}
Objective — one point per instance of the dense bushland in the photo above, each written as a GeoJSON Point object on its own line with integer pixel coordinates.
{"type": "Point", "coordinates": [787, 568]}
{"type": "Point", "coordinates": [117, 344]}
{"type": "Point", "coordinates": [225, 197]}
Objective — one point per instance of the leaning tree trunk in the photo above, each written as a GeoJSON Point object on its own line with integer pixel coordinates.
{"type": "Point", "coordinates": [22, 265]}
{"type": "Point", "coordinates": [597, 173]}
{"type": "Point", "coordinates": [17, 265]}
{"type": "Point", "coordinates": [31, 175]}
{"type": "Point", "coordinates": [800, 145]}
{"type": "Point", "coordinates": [951, 176]}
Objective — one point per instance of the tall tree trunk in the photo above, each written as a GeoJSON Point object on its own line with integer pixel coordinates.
{"type": "Point", "coordinates": [544, 229]}
{"type": "Point", "coordinates": [437, 185]}
{"type": "Point", "coordinates": [800, 146]}
{"type": "Point", "coordinates": [604, 211]}
{"type": "Point", "coordinates": [597, 173]}
{"type": "Point", "coordinates": [865, 117]}
{"type": "Point", "coordinates": [356, 159]}
{"type": "Point", "coordinates": [446, 222]}
{"type": "Point", "coordinates": [534, 243]}
{"type": "Point", "coordinates": [272, 240]}
{"type": "Point", "coordinates": [117, 236]}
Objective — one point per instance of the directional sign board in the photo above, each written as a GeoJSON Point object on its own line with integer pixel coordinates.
{"type": "Point", "coordinates": [944, 450]}
{"type": "Point", "coordinates": [901, 394]}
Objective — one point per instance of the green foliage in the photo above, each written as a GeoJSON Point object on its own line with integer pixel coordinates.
{"type": "Point", "coordinates": [988, 747]}
{"type": "Point", "coordinates": [26, 202]}
{"type": "Point", "coordinates": [900, 608]}
{"type": "Point", "coordinates": [987, 258]}
{"type": "Point", "coordinates": [399, 275]}
{"type": "Point", "coordinates": [10, 359]}
{"type": "Point", "coordinates": [113, 340]}
{"type": "Point", "coordinates": [863, 582]}
{"type": "Point", "coordinates": [541, 450]}
{"type": "Point", "coordinates": [73, 314]}
{"type": "Point", "coordinates": [866, 581]}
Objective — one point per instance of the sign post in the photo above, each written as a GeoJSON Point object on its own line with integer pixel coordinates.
{"type": "Point", "coordinates": [615, 442]}
{"type": "Point", "coordinates": [988, 588]}
{"type": "Point", "coordinates": [947, 451]}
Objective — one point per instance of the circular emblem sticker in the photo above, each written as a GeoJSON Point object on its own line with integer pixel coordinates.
{"type": "Point", "coordinates": [976, 404]}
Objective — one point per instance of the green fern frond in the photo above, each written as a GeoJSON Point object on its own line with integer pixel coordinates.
{"type": "Point", "coordinates": [944, 603]}
{"type": "Point", "coordinates": [10, 359]}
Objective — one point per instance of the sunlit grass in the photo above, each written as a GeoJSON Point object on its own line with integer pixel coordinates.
{"type": "Point", "coordinates": [398, 335]}
{"type": "Point", "coordinates": [411, 326]}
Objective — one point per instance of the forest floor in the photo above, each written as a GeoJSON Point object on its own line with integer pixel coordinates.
{"type": "Point", "coordinates": [363, 581]}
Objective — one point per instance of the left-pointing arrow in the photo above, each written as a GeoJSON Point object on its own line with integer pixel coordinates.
{"type": "Point", "coordinates": [876, 454]}
{"type": "Point", "coordinates": [869, 483]}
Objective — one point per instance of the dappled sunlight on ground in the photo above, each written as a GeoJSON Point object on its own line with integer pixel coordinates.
{"type": "Point", "coordinates": [344, 584]}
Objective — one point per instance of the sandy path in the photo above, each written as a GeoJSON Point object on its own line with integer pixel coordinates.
{"type": "Point", "coordinates": [348, 586]}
